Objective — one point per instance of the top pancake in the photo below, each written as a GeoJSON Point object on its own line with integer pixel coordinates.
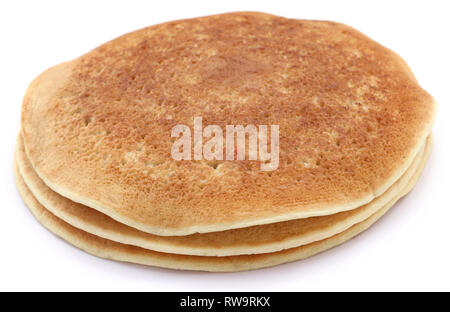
{"type": "Point", "coordinates": [351, 115]}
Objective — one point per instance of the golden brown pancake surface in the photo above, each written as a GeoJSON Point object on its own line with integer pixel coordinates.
{"type": "Point", "coordinates": [351, 116]}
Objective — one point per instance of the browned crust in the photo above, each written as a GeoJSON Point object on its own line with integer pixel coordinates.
{"type": "Point", "coordinates": [351, 116]}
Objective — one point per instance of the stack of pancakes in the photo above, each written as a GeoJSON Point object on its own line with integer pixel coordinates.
{"type": "Point", "coordinates": [93, 159]}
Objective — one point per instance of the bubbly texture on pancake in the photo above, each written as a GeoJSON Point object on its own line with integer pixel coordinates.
{"type": "Point", "coordinates": [250, 240]}
{"type": "Point", "coordinates": [109, 249]}
{"type": "Point", "coordinates": [351, 116]}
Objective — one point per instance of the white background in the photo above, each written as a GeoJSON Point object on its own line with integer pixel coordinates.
{"type": "Point", "coordinates": [408, 249]}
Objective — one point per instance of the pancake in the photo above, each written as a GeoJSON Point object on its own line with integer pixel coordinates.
{"type": "Point", "coordinates": [351, 118]}
{"type": "Point", "coordinates": [257, 239]}
{"type": "Point", "coordinates": [116, 251]}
